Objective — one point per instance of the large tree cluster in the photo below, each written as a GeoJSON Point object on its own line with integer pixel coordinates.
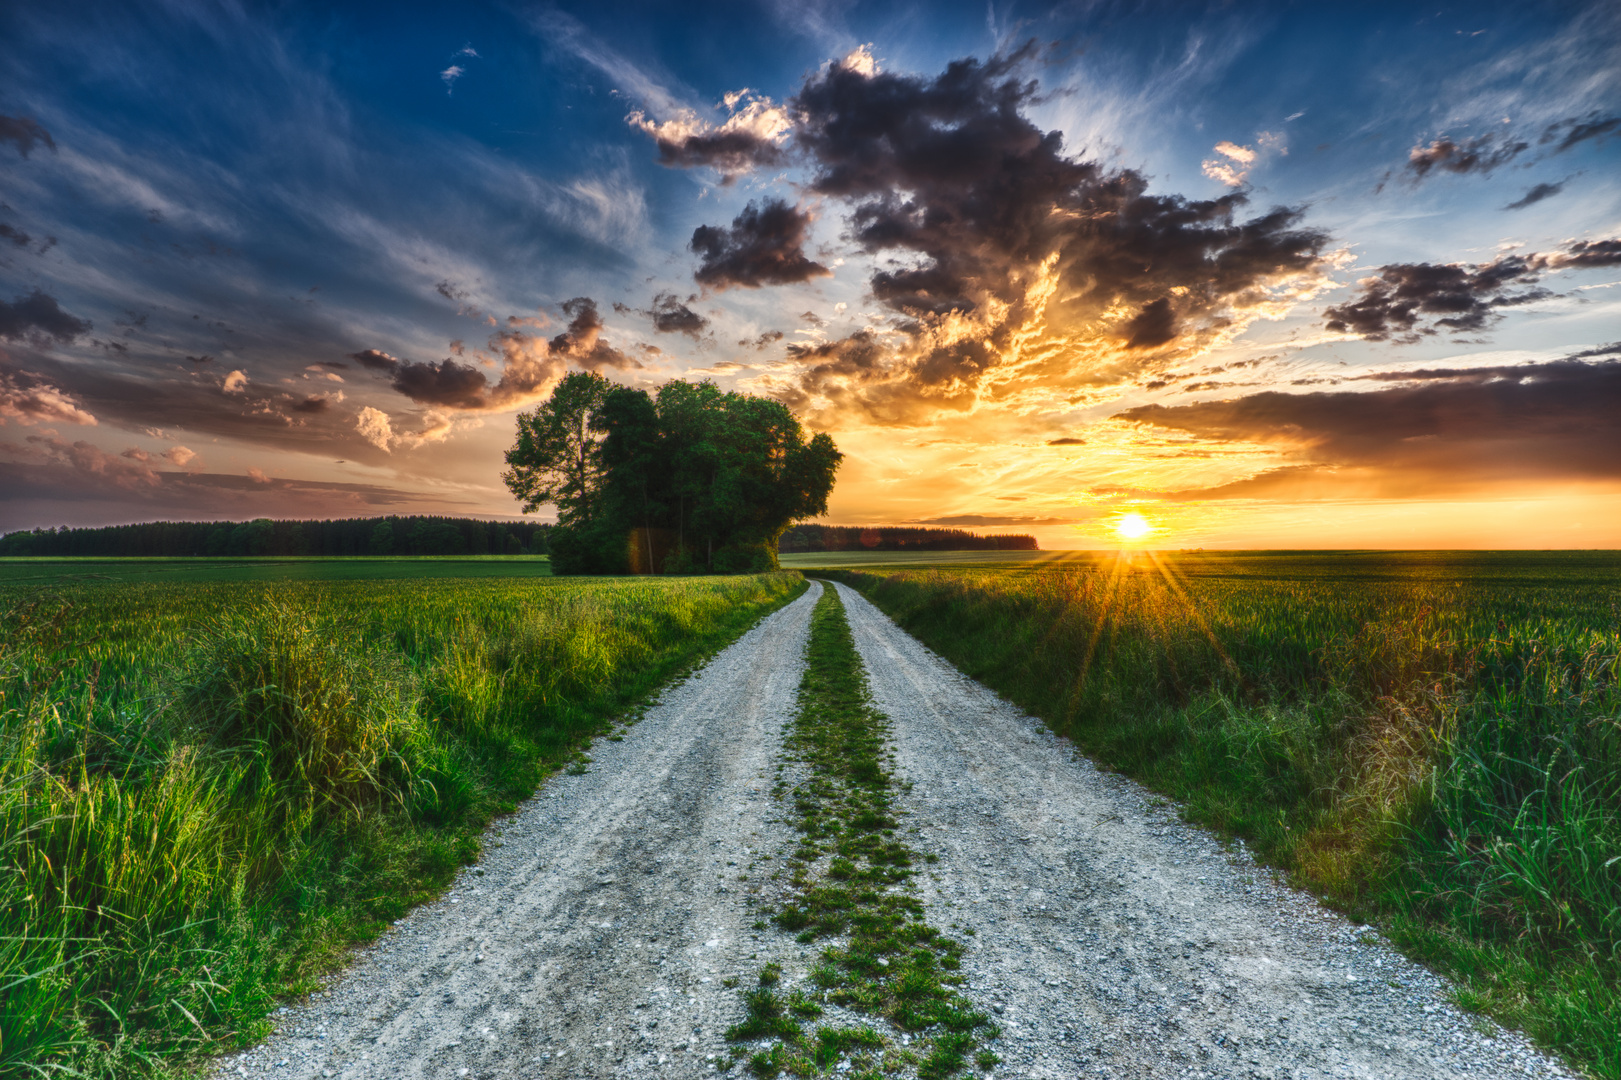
{"type": "Point", "coordinates": [687, 479]}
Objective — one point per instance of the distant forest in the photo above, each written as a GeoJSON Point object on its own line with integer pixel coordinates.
{"type": "Point", "coordinates": [847, 538]}
{"type": "Point", "coordinates": [429, 536]}
{"type": "Point", "coordinates": [350, 536]}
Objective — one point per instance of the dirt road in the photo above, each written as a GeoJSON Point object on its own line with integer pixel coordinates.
{"type": "Point", "coordinates": [1109, 939]}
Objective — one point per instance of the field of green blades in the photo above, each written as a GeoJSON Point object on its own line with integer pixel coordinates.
{"type": "Point", "coordinates": [213, 782]}
{"type": "Point", "coordinates": [1429, 740]}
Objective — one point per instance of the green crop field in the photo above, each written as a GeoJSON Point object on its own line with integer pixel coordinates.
{"type": "Point", "coordinates": [216, 775]}
{"type": "Point", "coordinates": [1431, 740]}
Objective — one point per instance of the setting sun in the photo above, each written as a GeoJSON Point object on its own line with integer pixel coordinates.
{"type": "Point", "coordinates": [1132, 526]}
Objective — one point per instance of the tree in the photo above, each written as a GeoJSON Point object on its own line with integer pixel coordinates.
{"type": "Point", "coordinates": [716, 477]}
{"type": "Point", "coordinates": [557, 458]}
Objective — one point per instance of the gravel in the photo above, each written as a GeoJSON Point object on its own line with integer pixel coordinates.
{"type": "Point", "coordinates": [1112, 939]}
{"type": "Point", "coordinates": [595, 937]}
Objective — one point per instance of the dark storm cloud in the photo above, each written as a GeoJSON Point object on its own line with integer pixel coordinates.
{"type": "Point", "coordinates": [1481, 154]}
{"type": "Point", "coordinates": [1537, 194]}
{"type": "Point", "coordinates": [312, 404]}
{"type": "Point", "coordinates": [375, 360]}
{"type": "Point", "coordinates": [446, 383]}
{"type": "Point", "coordinates": [24, 132]}
{"type": "Point", "coordinates": [1438, 430]}
{"type": "Point", "coordinates": [766, 339]}
{"type": "Point", "coordinates": [1154, 325]}
{"type": "Point", "coordinates": [1066, 441]}
{"type": "Point", "coordinates": [38, 318]}
{"type": "Point", "coordinates": [531, 365]}
{"type": "Point", "coordinates": [764, 246]}
{"type": "Point", "coordinates": [16, 236]}
{"type": "Point", "coordinates": [978, 209]}
{"type": "Point", "coordinates": [1406, 301]}
{"type": "Point", "coordinates": [1594, 126]}
{"type": "Point", "coordinates": [1484, 153]}
{"type": "Point", "coordinates": [583, 344]}
{"type": "Point", "coordinates": [670, 315]}
{"type": "Point", "coordinates": [1602, 350]}
{"type": "Point", "coordinates": [1585, 254]}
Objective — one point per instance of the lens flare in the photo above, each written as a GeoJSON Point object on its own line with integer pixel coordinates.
{"type": "Point", "coordinates": [1132, 526]}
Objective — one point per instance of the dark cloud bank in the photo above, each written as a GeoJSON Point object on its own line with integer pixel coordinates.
{"type": "Point", "coordinates": [1435, 431]}
{"type": "Point", "coordinates": [1491, 150]}
{"type": "Point", "coordinates": [670, 315]}
{"type": "Point", "coordinates": [25, 133]}
{"type": "Point", "coordinates": [764, 246]}
{"type": "Point", "coordinates": [531, 364]}
{"type": "Point", "coordinates": [988, 228]}
{"type": "Point", "coordinates": [1407, 301]}
{"type": "Point", "coordinates": [38, 318]}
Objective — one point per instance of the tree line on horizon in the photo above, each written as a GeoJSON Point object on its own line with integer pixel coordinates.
{"type": "Point", "coordinates": [687, 479]}
{"type": "Point", "coordinates": [426, 535]}
{"type": "Point", "coordinates": [391, 535]}
{"type": "Point", "coordinates": [818, 538]}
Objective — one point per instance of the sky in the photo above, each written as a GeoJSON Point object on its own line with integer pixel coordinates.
{"type": "Point", "coordinates": [1255, 275]}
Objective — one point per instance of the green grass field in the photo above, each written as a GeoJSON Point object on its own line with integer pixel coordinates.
{"type": "Point", "coordinates": [51, 573]}
{"type": "Point", "coordinates": [217, 775]}
{"type": "Point", "coordinates": [1431, 740]}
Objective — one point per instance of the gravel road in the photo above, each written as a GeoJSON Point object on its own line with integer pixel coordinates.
{"type": "Point", "coordinates": [1114, 940]}
{"type": "Point", "coordinates": [593, 941]}
{"type": "Point", "coordinates": [1110, 939]}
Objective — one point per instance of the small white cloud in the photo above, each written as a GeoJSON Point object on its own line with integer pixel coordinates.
{"type": "Point", "coordinates": [236, 382]}
{"type": "Point", "coordinates": [450, 75]}
{"type": "Point", "coordinates": [1227, 174]}
{"type": "Point", "coordinates": [860, 61]}
{"type": "Point", "coordinates": [1241, 160]}
{"type": "Point", "coordinates": [180, 455]}
{"type": "Point", "coordinates": [375, 427]}
{"type": "Point", "coordinates": [257, 475]}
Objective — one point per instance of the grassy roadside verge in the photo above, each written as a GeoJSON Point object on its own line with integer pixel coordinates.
{"type": "Point", "coordinates": [209, 792]}
{"type": "Point", "coordinates": [850, 889]}
{"type": "Point", "coordinates": [1443, 757]}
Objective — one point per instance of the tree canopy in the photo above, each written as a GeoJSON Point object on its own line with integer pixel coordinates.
{"type": "Point", "coordinates": [689, 479]}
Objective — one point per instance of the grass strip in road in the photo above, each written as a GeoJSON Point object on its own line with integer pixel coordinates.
{"type": "Point", "coordinates": [851, 889]}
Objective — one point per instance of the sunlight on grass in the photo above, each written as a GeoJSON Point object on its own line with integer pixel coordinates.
{"type": "Point", "coordinates": [1431, 739]}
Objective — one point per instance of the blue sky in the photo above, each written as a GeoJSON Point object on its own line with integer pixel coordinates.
{"type": "Point", "coordinates": [236, 238]}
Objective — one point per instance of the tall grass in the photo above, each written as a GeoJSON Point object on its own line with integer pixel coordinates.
{"type": "Point", "coordinates": [207, 792]}
{"type": "Point", "coordinates": [1438, 749]}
